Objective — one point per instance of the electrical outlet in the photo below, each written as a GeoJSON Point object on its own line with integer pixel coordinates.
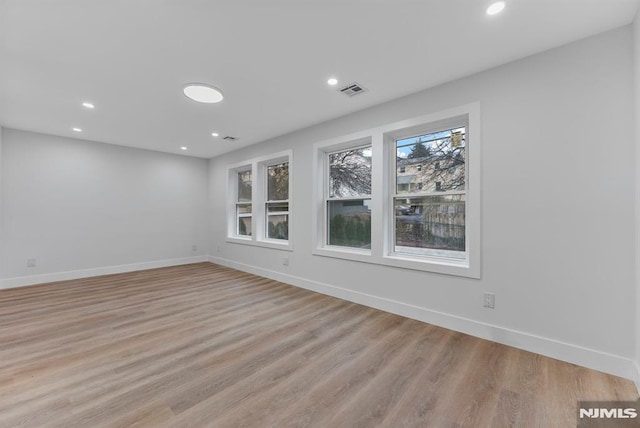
{"type": "Point", "coordinates": [194, 248]}
{"type": "Point", "coordinates": [285, 261]}
{"type": "Point", "coordinates": [489, 300]}
{"type": "Point", "coordinates": [31, 262]}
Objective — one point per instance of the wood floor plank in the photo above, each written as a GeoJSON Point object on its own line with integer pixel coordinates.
{"type": "Point", "coordinates": [202, 345]}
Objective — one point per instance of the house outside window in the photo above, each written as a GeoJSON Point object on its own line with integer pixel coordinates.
{"type": "Point", "coordinates": [436, 223]}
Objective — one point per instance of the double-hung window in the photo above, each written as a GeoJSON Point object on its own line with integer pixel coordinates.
{"type": "Point", "coordinates": [429, 204]}
{"type": "Point", "coordinates": [259, 204]}
{"type": "Point", "coordinates": [406, 194]}
{"type": "Point", "coordinates": [348, 198]}
{"type": "Point", "coordinates": [277, 204]}
{"type": "Point", "coordinates": [243, 203]}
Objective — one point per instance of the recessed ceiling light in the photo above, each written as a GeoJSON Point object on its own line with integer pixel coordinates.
{"type": "Point", "coordinates": [88, 105]}
{"type": "Point", "coordinates": [214, 134]}
{"type": "Point", "coordinates": [183, 148]}
{"type": "Point", "coordinates": [203, 93]}
{"type": "Point", "coordinates": [495, 8]}
{"type": "Point", "coordinates": [333, 81]}
{"type": "Point", "coordinates": [77, 129]}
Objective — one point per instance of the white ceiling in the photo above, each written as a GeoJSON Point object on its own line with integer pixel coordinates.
{"type": "Point", "coordinates": [271, 58]}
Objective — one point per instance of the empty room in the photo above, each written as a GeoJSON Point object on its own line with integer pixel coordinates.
{"type": "Point", "coordinates": [319, 213]}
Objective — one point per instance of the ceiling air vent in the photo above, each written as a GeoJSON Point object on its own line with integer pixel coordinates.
{"type": "Point", "coordinates": [230, 138]}
{"type": "Point", "coordinates": [353, 89]}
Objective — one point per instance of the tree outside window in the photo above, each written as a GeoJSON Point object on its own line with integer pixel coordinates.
{"type": "Point", "coordinates": [349, 198]}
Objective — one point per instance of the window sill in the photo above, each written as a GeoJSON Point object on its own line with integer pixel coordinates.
{"type": "Point", "coordinates": [432, 264]}
{"type": "Point", "coordinates": [344, 253]}
{"type": "Point", "coordinates": [271, 243]}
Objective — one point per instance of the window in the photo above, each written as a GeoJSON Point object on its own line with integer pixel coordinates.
{"type": "Point", "coordinates": [435, 223]}
{"type": "Point", "coordinates": [277, 205]}
{"type": "Point", "coordinates": [405, 194]}
{"type": "Point", "coordinates": [243, 203]}
{"type": "Point", "coordinates": [348, 198]}
{"type": "Point", "coordinates": [260, 209]}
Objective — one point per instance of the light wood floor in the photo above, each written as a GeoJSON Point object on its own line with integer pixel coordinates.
{"type": "Point", "coordinates": [206, 346]}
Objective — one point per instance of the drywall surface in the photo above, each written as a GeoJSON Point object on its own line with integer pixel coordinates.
{"type": "Point", "coordinates": [636, 57]}
{"type": "Point", "coordinates": [77, 206]}
{"type": "Point", "coordinates": [558, 199]}
{"type": "Point", "coordinates": [1, 211]}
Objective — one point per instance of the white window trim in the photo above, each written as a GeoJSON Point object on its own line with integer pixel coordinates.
{"type": "Point", "coordinates": [351, 145]}
{"type": "Point", "coordinates": [319, 217]}
{"type": "Point", "coordinates": [232, 201]}
{"type": "Point", "coordinates": [382, 211]}
{"type": "Point", "coordinates": [258, 168]}
{"type": "Point", "coordinates": [261, 234]}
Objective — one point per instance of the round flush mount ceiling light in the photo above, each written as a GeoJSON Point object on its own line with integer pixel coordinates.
{"type": "Point", "coordinates": [215, 134]}
{"type": "Point", "coordinates": [76, 129]}
{"type": "Point", "coordinates": [203, 93]}
{"type": "Point", "coordinates": [88, 105]}
{"type": "Point", "coordinates": [496, 8]}
{"type": "Point", "coordinates": [333, 81]}
{"type": "Point", "coordinates": [183, 148]}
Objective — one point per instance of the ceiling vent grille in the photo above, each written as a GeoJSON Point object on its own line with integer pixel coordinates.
{"type": "Point", "coordinates": [353, 89]}
{"type": "Point", "coordinates": [230, 138]}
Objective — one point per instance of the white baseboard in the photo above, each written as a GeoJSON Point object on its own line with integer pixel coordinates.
{"type": "Point", "coordinates": [590, 358]}
{"type": "Point", "coordinates": [85, 273]}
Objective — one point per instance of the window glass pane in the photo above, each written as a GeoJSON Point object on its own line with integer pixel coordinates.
{"type": "Point", "coordinates": [431, 225]}
{"type": "Point", "coordinates": [275, 207]}
{"type": "Point", "coordinates": [277, 220]}
{"type": "Point", "coordinates": [244, 208]}
{"type": "Point", "coordinates": [350, 173]}
{"type": "Point", "coordinates": [244, 186]}
{"type": "Point", "coordinates": [244, 226]}
{"type": "Point", "coordinates": [278, 226]}
{"type": "Point", "coordinates": [350, 223]}
{"type": "Point", "coordinates": [431, 162]}
{"type": "Point", "coordinates": [278, 182]}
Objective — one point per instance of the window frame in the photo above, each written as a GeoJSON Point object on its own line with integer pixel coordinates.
{"type": "Point", "coordinates": [391, 139]}
{"type": "Point", "coordinates": [259, 200]}
{"type": "Point", "coordinates": [233, 202]}
{"type": "Point", "coordinates": [263, 169]}
{"type": "Point", "coordinates": [382, 140]}
{"type": "Point", "coordinates": [239, 203]}
{"type": "Point", "coordinates": [353, 145]}
{"type": "Point", "coordinates": [321, 196]}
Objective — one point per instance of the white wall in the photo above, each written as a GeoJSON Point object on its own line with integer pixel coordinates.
{"type": "Point", "coordinates": [636, 56]}
{"type": "Point", "coordinates": [558, 209]}
{"type": "Point", "coordinates": [1, 233]}
{"type": "Point", "coordinates": [83, 208]}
